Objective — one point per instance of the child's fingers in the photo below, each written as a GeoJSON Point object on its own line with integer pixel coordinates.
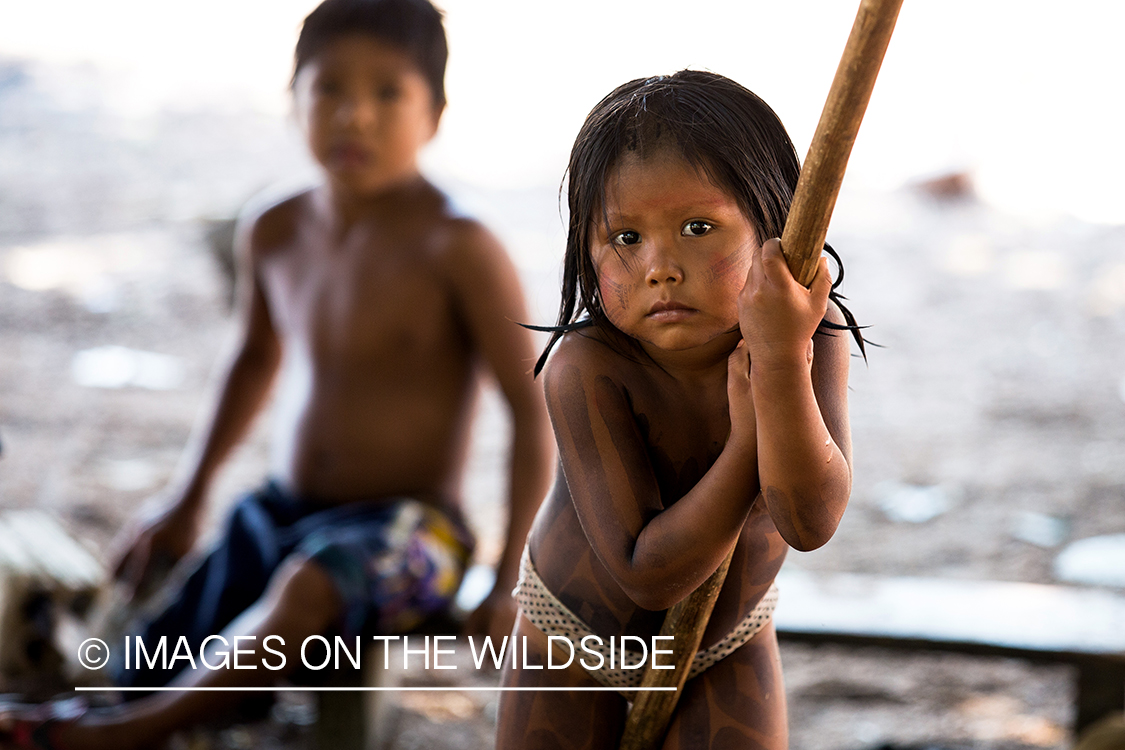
{"type": "Point", "coordinates": [738, 364]}
{"type": "Point", "coordinates": [821, 284]}
{"type": "Point", "coordinates": [774, 265]}
{"type": "Point", "coordinates": [740, 396]}
{"type": "Point", "coordinates": [753, 275]}
{"type": "Point", "coordinates": [763, 264]}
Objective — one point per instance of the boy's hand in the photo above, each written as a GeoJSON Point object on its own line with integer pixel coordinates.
{"type": "Point", "coordinates": [155, 540]}
{"type": "Point", "coordinates": [495, 616]}
{"type": "Point", "coordinates": [777, 315]}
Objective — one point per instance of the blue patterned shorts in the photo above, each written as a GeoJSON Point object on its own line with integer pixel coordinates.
{"type": "Point", "coordinates": [394, 561]}
{"type": "Point", "coordinates": [393, 568]}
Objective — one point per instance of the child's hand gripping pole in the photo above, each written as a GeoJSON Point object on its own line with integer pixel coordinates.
{"type": "Point", "coordinates": [802, 242]}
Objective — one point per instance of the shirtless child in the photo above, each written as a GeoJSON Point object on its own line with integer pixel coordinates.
{"type": "Point", "coordinates": [372, 303]}
{"type": "Point", "coordinates": [699, 398]}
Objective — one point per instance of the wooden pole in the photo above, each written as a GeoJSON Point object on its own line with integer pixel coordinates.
{"type": "Point", "coordinates": [803, 237]}
{"type": "Point", "coordinates": [686, 620]}
{"type": "Point", "coordinates": [802, 241]}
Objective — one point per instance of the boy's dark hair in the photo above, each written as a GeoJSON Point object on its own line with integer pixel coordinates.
{"type": "Point", "coordinates": [720, 128]}
{"type": "Point", "coordinates": [414, 26]}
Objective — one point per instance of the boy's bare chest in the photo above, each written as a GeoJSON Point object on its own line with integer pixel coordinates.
{"type": "Point", "coordinates": [365, 301]}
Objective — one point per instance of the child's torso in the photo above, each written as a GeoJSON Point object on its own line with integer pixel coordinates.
{"type": "Point", "coordinates": [684, 430]}
{"type": "Point", "coordinates": [377, 381]}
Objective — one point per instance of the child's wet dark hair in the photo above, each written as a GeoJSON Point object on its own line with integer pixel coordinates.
{"type": "Point", "coordinates": [414, 26]}
{"type": "Point", "coordinates": [719, 127]}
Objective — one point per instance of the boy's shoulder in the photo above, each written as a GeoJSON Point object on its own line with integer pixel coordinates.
{"type": "Point", "coordinates": [451, 240]}
{"type": "Point", "coordinates": [459, 234]}
{"type": "Point", "coordinates": [271, 219]}
{"type": "Point", "coordinates": [459, 246]}
{"type": "Point", "coordinates": [454, 232]}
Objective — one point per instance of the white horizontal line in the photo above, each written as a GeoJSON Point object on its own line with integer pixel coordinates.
{"type": "Point", "coordinates": [360, 689]}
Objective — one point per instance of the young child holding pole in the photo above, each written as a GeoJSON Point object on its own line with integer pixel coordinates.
{"type": "Point", "coordinates": [699, 399]}
{"type": "Point", "coordinates": [375, 305]}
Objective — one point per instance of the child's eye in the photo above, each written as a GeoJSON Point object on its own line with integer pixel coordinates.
{"type": "Point", "coordinates": [696, 229]}
{"type": "Point", "coordinates": [327, 88]}
{"type": "Point", "coordinates": [627, 237]}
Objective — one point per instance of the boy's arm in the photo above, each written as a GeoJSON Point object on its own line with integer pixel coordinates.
{"type": "Point", "coordinates": [167, 529]}
{"type": "Point", "coordinates": [491, 302]}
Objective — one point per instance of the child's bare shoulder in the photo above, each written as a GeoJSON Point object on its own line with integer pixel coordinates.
{"type": "Point", "coordinates": [834, 314]}
{"type": "Point", "coordinates": [587, 356]}
{"type": "Point", "coordinates": [460, 240]}
{"type": "Point", "coordinates": [267, 223]}
{"type": "Point", "coordinates": [470, 258]}
{"type": "Point", "coordinates": [833, 344]}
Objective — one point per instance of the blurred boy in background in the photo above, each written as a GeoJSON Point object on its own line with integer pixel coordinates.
{"type": "Point", "coordinates": [372, 303]}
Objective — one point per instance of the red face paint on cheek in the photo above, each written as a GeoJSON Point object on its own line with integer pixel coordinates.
{"type": "Point", "coordinates": [614, 293]}
{"type": "Point", "coordinates": [737, 263]}
{"type": "Point", "coordinates": [615, 282]}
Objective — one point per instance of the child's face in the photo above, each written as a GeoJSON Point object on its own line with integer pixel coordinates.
{"type": "Point", "coordinates": [366, 111]}
{"type": "Point", "coordinates": [675, 255]}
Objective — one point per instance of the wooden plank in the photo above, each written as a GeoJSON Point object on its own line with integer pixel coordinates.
{"type": "Point", "coordinates": [1033, 618]}
{"type": "Point", "coordinates": [1040, 623]}
{"type": "Point", "coordinates": [341, 722]}
{"type": "Point", "coordinates": [34, 544]}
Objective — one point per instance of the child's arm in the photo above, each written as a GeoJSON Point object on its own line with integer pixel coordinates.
{"type": "Point", "coordinates": [169, 529]}
{"type": "Point", "coordinates": [789, 435]}
{"type": "Point", "coordinates": [491, 303]}
{"type": "Point", "coordinates": [801, 415]}
{"type": "Point", "coordinates": [657, 554]}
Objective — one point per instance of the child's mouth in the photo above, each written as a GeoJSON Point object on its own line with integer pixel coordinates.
{"type": "Point", "coordinates": [349, 156]}
{"type": "Point", "coordinates": [669, 311]}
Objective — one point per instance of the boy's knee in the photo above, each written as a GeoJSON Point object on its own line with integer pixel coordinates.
{"type": "Point", "coordinates": [304, 589]}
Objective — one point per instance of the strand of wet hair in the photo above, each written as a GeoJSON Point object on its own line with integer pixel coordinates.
{"type": "Point", "coordinates": [850, 323]}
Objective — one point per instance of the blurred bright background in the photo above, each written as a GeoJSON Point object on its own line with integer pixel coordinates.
{"type": "Point", "coordinates": [1024, 94]}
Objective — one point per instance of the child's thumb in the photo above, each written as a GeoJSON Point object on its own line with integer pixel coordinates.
{"type": "Point", "coordinates": [821, 284]}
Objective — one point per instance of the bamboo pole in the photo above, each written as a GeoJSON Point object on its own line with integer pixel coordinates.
{"type": "Point", "coordinates": [802, 241]}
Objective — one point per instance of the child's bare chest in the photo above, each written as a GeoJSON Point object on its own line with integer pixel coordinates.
{"type": "Point", "coordinates": [683, 433]}
{"type": "Point", "coordinates": [361, 300]}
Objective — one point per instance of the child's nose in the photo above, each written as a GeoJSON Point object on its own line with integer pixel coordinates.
{"type": "Point", "coordinates": [663, 268]}
{"type": "Point", "coordinates": [358, 113]}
